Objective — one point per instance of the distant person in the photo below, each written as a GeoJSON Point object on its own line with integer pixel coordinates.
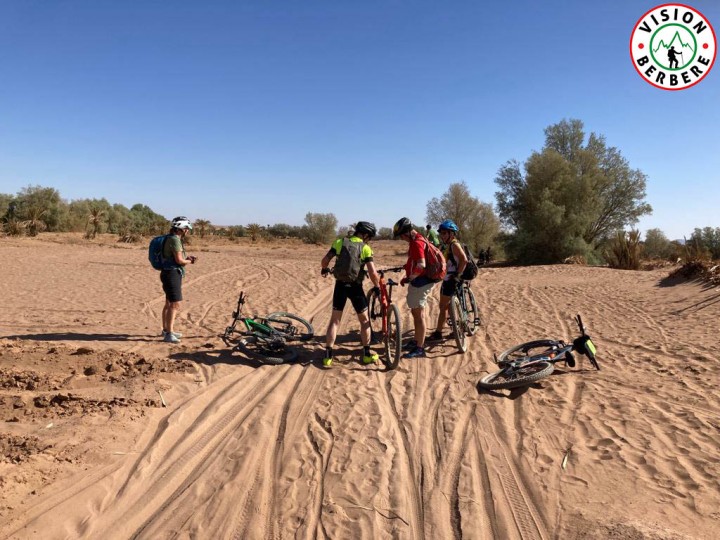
{"type": "Point", "coordinates": [354, 256]}
{"type": "Point", "coordinates": [171, 277]}
{"type": "Point", "coordinates": [456, 262]}
{"type": "Point", "coordinates": [488, 255]}
{"type": "Point", "coordinates": [672, 56]}
{"type": "Point", "coordinates": [432, 235]}
{"type": "Point", "coordinates": [420, 284]}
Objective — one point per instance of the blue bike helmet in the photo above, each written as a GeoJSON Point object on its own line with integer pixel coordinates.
{"type": "Point", "coordinates": [448, 225]}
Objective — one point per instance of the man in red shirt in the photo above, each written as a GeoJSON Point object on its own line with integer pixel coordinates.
{"type": "Point", "coordinates": [420, 286]}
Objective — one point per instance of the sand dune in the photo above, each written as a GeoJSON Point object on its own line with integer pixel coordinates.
{"type": "Point", "coordinates": [248, 451]}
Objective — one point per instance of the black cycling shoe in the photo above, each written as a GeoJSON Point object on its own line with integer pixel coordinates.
{"type": "Point", "coordinates": [410, 345]}
{"type": "Point", "coordinates": [435, 336]}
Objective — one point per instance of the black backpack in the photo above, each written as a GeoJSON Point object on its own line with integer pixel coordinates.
{"type": "Point", "coordinates": [348, 267]}
{"type": "Point", "coordinates": [471, 268]}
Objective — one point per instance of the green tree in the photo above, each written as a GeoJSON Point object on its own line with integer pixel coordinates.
{"type": "Point", "coordinates": [320, 228]}
{"type": "Point", "coordinates": [477, 221]}
{"type": "Point", "coordinates": [39, 203]}
{"type": "Point", "coordinates": [708, 239]}
{"type": "Point", "coordinates": [202, 226]}
{"type": "Point", "coordinates": [657, 245]}
{"type": "Point", "coordinates": [385, 233]}
{"type": "Point", "coordinates": [5, 201]}
{"type": "Point", "coordinates": [571, 198]}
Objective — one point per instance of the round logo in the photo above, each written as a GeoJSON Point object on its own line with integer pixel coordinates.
{"type": "Point", "coordinates": [673, 46]}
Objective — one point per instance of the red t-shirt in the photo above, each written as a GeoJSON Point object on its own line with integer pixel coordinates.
{"type": "Point", "coordinates": [416, 253]}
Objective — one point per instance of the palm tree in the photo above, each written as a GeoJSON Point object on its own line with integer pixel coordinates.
{"type": "Point", "coordinates": [202, 226]}
{"type": "Point", "coordinates": [94, 219]}
{"type": "Point", "coordinates": [34, 222]}
{"type": "Point", "coordinates": [254, 230]}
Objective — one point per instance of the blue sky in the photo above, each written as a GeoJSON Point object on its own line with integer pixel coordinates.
{"type": "Point", "coordinates": [242, 112]}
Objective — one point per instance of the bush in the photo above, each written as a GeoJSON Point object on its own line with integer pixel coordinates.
{"type": "Point", "coordinates": [320, 228]}
{"type": "Point", "coordinates": [624, 251]}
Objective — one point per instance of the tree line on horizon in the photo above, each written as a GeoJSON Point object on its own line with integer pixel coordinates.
{"type": "Point", "coordinates": [575, 199]}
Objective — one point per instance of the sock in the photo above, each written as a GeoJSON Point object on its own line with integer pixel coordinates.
{"type": "Point", "coordinates": [366, 350]}
{"type": "Point", "coordinates": [328, 352]}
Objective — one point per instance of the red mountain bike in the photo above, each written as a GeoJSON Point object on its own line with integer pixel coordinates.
{"type": "Point", "coordinates": [385, 319]}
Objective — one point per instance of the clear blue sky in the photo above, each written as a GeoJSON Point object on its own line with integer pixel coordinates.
{"type": "Point", "coordinates": [262, 111]}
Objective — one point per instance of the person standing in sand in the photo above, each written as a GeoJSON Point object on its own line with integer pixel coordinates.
{"type": "Point", "coordinates": [420, 285]}
{"type": "Point", "coordinates": [171, 277]}
{"type": "Point", "coordinates": [354, 255]}
{"type": "Point", "coordinates": [456, 262]}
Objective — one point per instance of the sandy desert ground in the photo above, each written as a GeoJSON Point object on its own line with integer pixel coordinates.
{"type": "Point", "coordinates": [109, 433]}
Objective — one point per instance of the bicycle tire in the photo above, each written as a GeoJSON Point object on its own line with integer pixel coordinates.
{"type": "Point", "coordinates": [285, 318]}
{"type": "Point", "coordinates": [474, 321]}
{"type": "Point", "coordinates": [504, 379]}
{"type": "Point", "coordinates": [393, 339]}
{"type": "Point", "coordinates": [527, 349]}
{"type": "Point", "coordinates": [458, 326]}
{"type": "Point", "coordinates": [250, 347]}
{"type": "Point", "coordinates": [375, 316]}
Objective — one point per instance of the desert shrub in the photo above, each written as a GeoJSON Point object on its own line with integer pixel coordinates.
{"type": "Point", "coordinates": [14, 227]}
{"type": "Point", "coordinates": [320, 228]}
{"type": "Point", "coordinates": [385, 233]}
{"type": "Point", "coordinates": [624, 251]}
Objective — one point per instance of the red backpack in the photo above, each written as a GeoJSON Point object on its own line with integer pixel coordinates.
{"type": "Point", "coordinates": [435, 268]}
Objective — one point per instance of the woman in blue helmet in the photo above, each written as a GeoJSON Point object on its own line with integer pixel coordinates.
{"type": "Point", "coordinates": [456, 262]}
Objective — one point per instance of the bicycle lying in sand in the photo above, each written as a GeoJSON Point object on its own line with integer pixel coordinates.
{"type": "Point", "coordinates": [535, 360]}
{"type": "Point", "coordinates": [265, 338]}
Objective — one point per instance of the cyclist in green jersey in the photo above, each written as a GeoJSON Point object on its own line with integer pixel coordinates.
{"type": "Point", "coordinates": [348, 286]}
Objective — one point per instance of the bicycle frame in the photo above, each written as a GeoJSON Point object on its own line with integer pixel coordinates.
{"type": "Point", "coordinates": [386, 288]}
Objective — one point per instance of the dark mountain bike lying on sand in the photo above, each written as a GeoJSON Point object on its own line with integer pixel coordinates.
{"type": "Point", "coordinates": [265, 338]}
{"type": "Point", "coordinates": [535, 360]}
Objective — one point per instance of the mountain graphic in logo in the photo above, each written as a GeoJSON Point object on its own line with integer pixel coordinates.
{"type": "Point", "coordinates": [676, 40]}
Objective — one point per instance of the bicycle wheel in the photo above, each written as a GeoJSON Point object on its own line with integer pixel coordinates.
{"type": "Point", "coordinates": [529, 349]}
{"type": "Point", "coordinates": [513, 378]}
{"type": "Point", "coordinates": [393, 338]}
{"type": "Point", "coordinates": [458, 324]}
{"type": "Point", "coordinates": [473, 322]}
{"type": "Point", "coordinates": [263, 352]}
{"type": "Point", "coordinates": [375, 316]}
{"type": "Point", "coordinates": [290, 326]}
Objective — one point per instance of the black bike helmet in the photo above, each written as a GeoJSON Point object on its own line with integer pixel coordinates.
{"type": "Point", "coordinates": [403, 226]}
{"type": "Point", "coordinates": [364, 227]}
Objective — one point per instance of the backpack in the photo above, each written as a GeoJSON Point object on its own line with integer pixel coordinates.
{"type": "Point", "coordinates": [155, 253]}
{"type": "Point", "coordinates": [435, 268]}
{"type": "Point", "coordinates": [471, 268]}
{"type": "Point", "coordinates": [348, 267]}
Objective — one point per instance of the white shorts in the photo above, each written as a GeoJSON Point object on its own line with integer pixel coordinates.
{"type": "Point", "coordinates": [417, 296]}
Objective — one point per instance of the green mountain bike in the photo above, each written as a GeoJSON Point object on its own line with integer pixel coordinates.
{"type": "Point", "coordinates": [529, 362]}
{"type": "Point", "coordinates": [265, 339]}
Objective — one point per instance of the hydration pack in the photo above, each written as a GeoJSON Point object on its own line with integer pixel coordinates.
{"type": "Point", "coordinates": [435, 268]}
{"type": "Point", "coordinates": [155, 253]}
{"type": "Point", "coordinates": [348, 267]}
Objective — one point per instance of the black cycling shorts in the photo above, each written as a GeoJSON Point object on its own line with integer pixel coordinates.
{"type": "Point", "coordinates": [449, 287]}
{"type": "Point", "coordinates": [352, 291]}
{"type": "Point", "coordinates": [172, 284]}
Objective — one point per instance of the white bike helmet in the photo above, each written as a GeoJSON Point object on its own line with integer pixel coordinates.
{"type": "Point", "coordinates": [181, 222]}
